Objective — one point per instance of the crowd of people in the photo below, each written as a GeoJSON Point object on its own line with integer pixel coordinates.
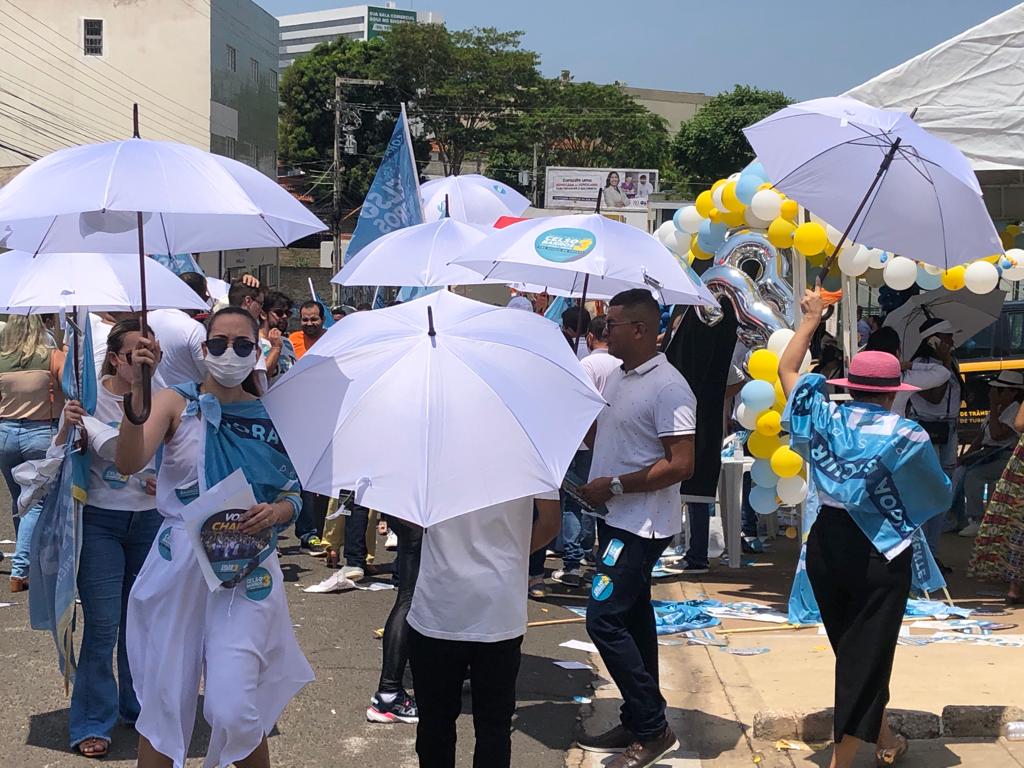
{"type": "Point", "coordinates": [462, 585]}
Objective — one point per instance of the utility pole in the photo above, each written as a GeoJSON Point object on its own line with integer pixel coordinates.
{"type": "Point", "coordinates": [533, 177]}
{"type": "Point", "coordinates": [347, 120]}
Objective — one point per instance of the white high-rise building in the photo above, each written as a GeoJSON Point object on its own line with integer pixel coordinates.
{"type": "Point", "coordinates": [301, 32]}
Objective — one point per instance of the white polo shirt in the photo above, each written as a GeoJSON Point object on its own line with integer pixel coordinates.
{"type": "Point", "coordinates": [644, 405]}
{"type": "Point", "coordinates": [599, 366]}
{"type": "Point", "coordinates": [181, 347]}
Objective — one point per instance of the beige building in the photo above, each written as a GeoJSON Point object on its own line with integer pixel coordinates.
{"type": "Point", "coordinates": [675, 106]}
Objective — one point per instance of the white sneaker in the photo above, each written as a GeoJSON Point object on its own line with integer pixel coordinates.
{"type": "Point", "coordinates": [391, 542]}
{"type": "Point", "coordinates": [571, 577]}
{"type": "Point", "coordinates": [352, 573]}
{"type": "Point", "coordinates": [971, 530]}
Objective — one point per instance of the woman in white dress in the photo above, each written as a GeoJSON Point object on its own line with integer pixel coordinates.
{"type": "Point", "coordinates": [239, 638]}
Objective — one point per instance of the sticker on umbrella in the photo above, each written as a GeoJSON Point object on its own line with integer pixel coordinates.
{"type": "Point", "coordinates": [233, 555]}
{"type": "Point", "coordinates": [564, 244]}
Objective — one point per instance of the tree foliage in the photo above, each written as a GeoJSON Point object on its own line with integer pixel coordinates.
{"type": "Point", "coordinates": [711, 144]}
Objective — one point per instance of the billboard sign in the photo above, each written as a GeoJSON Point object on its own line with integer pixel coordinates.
{"type": "Point", "coordinates": [380, 21]}
{"type": "Point", "coordinates": [622, 189]}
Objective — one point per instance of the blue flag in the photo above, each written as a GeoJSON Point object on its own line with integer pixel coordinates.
{"type": "Point", "coordinates": [393, 201]}
{"type": "Point", "coordinates": [555, 309]}
{"type": "Point", "coordinates": [178, 263]}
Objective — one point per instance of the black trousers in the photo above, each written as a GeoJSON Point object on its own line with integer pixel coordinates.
{"type": "Point", "coordinates": [438, 669]}
{"type": "Point", "coordinates": [620, 621]}
{"type": "Point", "coordinates": [310, 521]}
{"type": "Point", "coordinates": [396, 631]}
{"type": "Point", "coordinates": [862, 598]}
{"type": "Point", "coordinates": [354, 551]}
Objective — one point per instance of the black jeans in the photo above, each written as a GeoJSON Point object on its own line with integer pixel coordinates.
{"type": "Point", "coordinates": [310, 521]}
{"type": "Point", "coordinates": [355, 535]}
{"type": "Point", "coordinates": [698, 515]}
{"type": "Point", "coordinates": [438, 669]}
{"type": "Point", "coordinates": [620, 621]}
{"type": "Point", "coordinates": [396, 631]}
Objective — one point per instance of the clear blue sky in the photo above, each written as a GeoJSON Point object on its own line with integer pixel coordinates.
{"type": "Point", "coordinates": [806, 48]}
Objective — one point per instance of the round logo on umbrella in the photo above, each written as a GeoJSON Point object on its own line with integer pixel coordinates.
{"type": "Point", "coordinates": [564, 244]}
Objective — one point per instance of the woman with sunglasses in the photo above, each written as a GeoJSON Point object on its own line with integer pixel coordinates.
{"type": "Point", "coordinates": [240, 638]}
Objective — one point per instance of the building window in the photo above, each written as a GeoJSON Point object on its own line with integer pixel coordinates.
{"type": "Point", "coordinates": [229, 147]}
{"type": "Point", "coordinates": [254, 160]}
{"type": "Point", "coordinates": [274, 79]}
{"type": "Point", "coordinates": [232, 56]}
{"type": "Point", "coordinates": [254, 71]}
{"type": "Point", "coordinates": [92, 42]}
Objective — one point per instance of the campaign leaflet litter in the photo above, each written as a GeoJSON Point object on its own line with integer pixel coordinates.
{"type": "Point", "coordinates": [225, 554]}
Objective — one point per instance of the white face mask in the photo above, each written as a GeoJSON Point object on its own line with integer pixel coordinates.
{"type": "Point", "coordinates": [230, 370]}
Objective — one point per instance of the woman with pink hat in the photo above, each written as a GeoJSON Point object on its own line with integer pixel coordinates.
{"type": "Point", "coordinates": [878, 480]}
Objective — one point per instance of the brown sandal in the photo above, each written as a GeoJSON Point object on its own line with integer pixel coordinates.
{"type": "Point", "coordinates": [886, 756]}
{"type": "Point", "coordinates": [93, 747]}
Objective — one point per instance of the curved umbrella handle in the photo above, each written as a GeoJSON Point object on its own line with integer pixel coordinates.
{"type": "Point", "coordinates": [140, 417]}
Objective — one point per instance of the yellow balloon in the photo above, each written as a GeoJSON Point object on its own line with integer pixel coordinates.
{"type": "Point", "coordinates": [769, 423]}
{"type": "Point", "coordinates": [717, 184]}
{"type": "Point", "coordinates": [690, 257]}
{"type": "Point", "coordinates": [732, 202]}
{"type": "Point", "coordinates": [764, 365]}
{"type": "Point", "coordinates": [733, 218]}
{"type": "Point", "coordinates": [789, 209]}
{"type": "Point", "coordinates": [953, 279]}
{"type": "Point", "coordinates": [780, 396]}
{"type": "Point", "coordinates": [704, 203]}
{"type": "Point", "coordinates": [810, 238]}
{"type": "Point", "coordinates": [780, 233]}
{"type": "Point", "coordinates": [763, 446]}
{"type": "Point", "coordinates": [766, 185]}
{"type": "Point", "coordinates": [995, 258]}
{"type": "Point", "coordinates": [786, 462]}
{"type": "Point", "coordinates": [698, 252]}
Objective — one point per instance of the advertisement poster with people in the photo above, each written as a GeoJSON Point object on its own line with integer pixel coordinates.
{"type": "Point", "coordinates": [620, 188]}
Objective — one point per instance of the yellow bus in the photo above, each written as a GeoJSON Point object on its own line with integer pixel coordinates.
{"type": "Point", "coordinates": [999, 347]}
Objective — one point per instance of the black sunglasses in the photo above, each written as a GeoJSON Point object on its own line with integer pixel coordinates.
{"type": "Point", "coordinates": [218, 345]}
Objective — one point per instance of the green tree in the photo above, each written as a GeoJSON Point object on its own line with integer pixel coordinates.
{"type": "Point", "coordinates": [711, 144]}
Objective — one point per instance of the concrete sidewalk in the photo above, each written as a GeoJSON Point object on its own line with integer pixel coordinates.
{"type": "Point", "coordinates": [715, 698]}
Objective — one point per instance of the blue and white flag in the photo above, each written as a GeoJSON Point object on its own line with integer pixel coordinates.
{"type": "Point", "coordinates": [393, 201]}
{"type": "Point", "coordinates": [178, 263]}
{"type": "Point", "coordinates": [555, 309]}
{"type": "Point", "coordinates": [803, 608]}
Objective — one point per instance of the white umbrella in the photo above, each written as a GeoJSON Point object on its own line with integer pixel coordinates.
{"type": "Point", "coordinates": [435, 407]}
{"type": "Point", "coordinates": [53, 282]}
{"type": "Point", "coordinates": [876, 172]}
{"type": "Point", "coordinates": [585, 255]}
{"type": "Point", "coordinates": [416, 256]}
{"type": "Point", "coordinates": [967, 312]}
{"type": "Point", "coordinates": [470, 198]}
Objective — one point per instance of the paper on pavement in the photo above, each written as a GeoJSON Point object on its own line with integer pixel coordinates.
{"type": "Point", "coordinates": [579, 645]}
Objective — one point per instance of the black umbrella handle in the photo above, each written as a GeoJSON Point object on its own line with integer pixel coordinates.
{"type": "Point", "coordinates": [140, 416]}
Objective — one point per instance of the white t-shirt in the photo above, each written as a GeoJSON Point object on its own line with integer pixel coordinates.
{"type": "Point", "coordinates": [1007, 417]}
{"type": "Point", "coordinates": [474, 574]}
{"type": "Point", "coordinates": [646, 404]}
{"type": "Point", "coordinates": [599, 365]}
{"type": "Point", "coordinates": [181, 345]}
{"type": "Point", "coordinates": [108, 488]}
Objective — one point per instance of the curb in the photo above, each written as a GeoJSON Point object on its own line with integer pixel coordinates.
{"type": "Point", "coordinates": [965, 721]}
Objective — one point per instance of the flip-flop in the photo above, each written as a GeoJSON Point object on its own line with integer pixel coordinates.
{"type": "Point", "coordinates": [96, 747]}
{"type": "Point", "coordinates": [886, 756]}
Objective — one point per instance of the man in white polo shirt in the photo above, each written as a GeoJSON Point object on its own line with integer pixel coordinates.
{"type": "Point", "coordinates": [643, 450]}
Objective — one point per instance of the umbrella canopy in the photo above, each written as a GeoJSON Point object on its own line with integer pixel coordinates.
{"type": "Point", "coordinates": [434, 408]}
{"type": "Point", "coordinates": [967, 312]}
{"type": "Point", "coordinates": [563, 252]}
{"type": "Point", "coordinates": [471, 198]}
{"type": "Point", "coordinates": [52, 282]}
{"type": "Point", "coordinates": [85, 198]}
{"type": "Point", "coordinates": [827, 153]}
{"type": "Point", "coordinates": [416, 256]}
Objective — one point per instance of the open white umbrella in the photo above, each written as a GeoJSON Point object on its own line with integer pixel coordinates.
{"type": "Point", "coordinates": [877, 173]}
{"type": "Point", "coordinates": [53, 282]}
{"type": "Point", "coordinates": [967, 312]}
{"type": "Point", "coordinates": [139, 196]}
{"type": "Point", "coordinates": [416, 256]}
{"type": "Point", "coordinates": [470, 198]}
{"type": "Point", "coordinates": [435, 407]}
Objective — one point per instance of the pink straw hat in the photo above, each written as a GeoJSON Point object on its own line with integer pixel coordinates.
{"type": "Point", "coordinates": [873, 371]}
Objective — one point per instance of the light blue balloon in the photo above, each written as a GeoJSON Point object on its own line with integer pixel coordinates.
{"type": "Point", "coordinates": [757, 395]}
{"type": "Point", "coordinates": [761, 473]}
{"type": "Point", "coordinates": [926, 281]}
{"type": "Point", "coordinates": [763, 500]}
{"type": "Point", "coordinates": [711, 236]}
{"type": "Point", "coordinates": [756, 169]}
{"type": "Point", "coordinates": [675, 219]}
{"type": "Point", "coordinates": [747, 186]}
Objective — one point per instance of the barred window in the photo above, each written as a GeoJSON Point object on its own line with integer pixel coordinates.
{"type": "Point", "coordinates": [92, 43]}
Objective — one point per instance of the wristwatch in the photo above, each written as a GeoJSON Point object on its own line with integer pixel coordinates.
{"type": "Point", "coordinates": [616, 487]}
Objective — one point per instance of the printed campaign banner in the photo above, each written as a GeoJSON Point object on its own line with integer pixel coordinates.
{"type": "Point", "coordinates": [621, 188]}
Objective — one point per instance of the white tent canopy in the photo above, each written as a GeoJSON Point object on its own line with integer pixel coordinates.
{"type": "Point", "coordinates": [968, 90]}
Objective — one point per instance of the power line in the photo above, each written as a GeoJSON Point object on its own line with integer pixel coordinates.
{"type": "Point", "coordinates": [15, 150]}
{"type": "Point", "coordinates": [70, 129]}
{"type": "Point", "coordinates": [72, 111]}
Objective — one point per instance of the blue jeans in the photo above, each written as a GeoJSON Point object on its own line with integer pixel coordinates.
{"type": "Point", "coordinates": [114, 547]}
{"type": "Point", "coordinates": [698, 514]}
{"type": "Point", "coordinates": [21, 440]}
{"type": "Point", "coordinates": [577, 528]}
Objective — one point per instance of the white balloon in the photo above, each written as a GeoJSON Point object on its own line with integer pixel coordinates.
{"type": "Point", "coordinates": [854, 261]}
{"type": "Point", "coordinates": [791, 490]}
{"type": "Point", "coordinates": [876, 257]}
{"type": "Point", "coordinates": [752, 220]}
{"type": "Point", "coordinates": [766, 204]}
{"type": "Point", "coordinates": [933, 270]}
{"type": "Point", "coordinates": [681, 244]}
{"type": "Point", "coordinates": [1016, 272]}
{"type": "Point", "coordinates": [900, 273]}
{"type": "Point", "coordinates": [716, 196]}
{"type": "Point", "coordinates": [734, 176]}
{"type": "Point", "coordinates": [981, 277]}
{"type": "Point", "coordinates": [833, 234]}
{"type": "Point", "coordinates": [779, 340]}
{"type": "Point", "coordinates": [746, 416]}
{"type": "Point", "coordinates": [690, 220]}
{"type": "Point", "coordinates": [666, 234]}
